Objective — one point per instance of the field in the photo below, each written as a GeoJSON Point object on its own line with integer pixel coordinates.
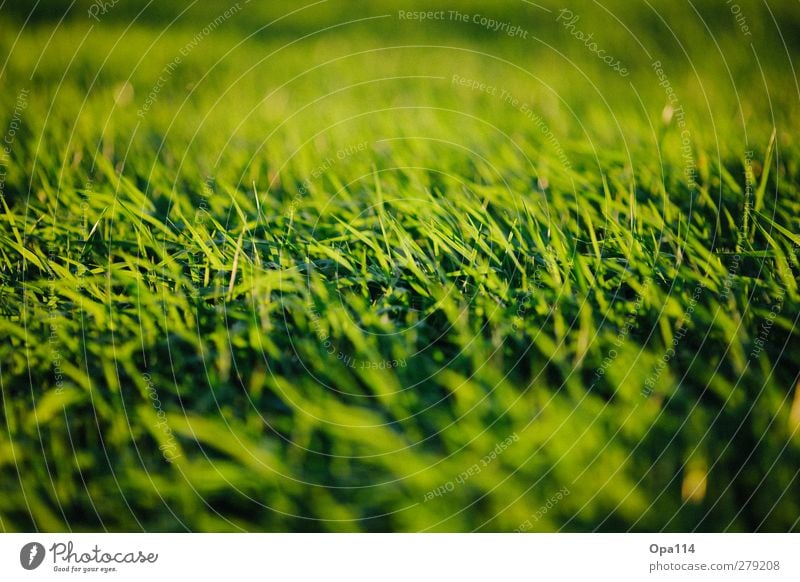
{"type": "Point", "coordinates": [477, 266]}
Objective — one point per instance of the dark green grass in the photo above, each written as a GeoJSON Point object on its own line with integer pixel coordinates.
{"type": "Point", "coordinates": [347, 279]}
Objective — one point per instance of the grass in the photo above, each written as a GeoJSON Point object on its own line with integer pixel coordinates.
{"type": "Point", "coordinates": [315, 283]}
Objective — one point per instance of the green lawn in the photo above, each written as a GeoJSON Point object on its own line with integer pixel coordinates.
{"type": "Point", "coordinates": [336, 268]}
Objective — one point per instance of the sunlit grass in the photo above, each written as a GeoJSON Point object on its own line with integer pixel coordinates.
{"type": "Point", "coordinates": [345, 285]}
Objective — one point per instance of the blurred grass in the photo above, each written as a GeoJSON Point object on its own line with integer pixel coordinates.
{"type": "Point", "coordinates": [349, 278]}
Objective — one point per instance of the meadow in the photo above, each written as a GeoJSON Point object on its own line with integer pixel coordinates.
{"type": "Point", "coordinates": [471, 266]}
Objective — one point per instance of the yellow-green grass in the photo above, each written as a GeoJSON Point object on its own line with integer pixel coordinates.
{"type": "Point", "coordinates": [322, 273]}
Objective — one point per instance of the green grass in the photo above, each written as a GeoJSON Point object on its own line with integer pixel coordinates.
{"type": "Point", "coordinates": [316, 280]}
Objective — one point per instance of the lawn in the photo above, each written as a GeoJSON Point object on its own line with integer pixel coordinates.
{"type": "Point", "coordinates": [477, 266]}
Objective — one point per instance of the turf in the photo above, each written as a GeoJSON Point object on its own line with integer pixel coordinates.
{"type": "Point", "coordinates": [338, 271]}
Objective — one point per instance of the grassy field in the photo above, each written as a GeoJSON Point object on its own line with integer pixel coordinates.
{"type": "Point", "coordinates": [328, 267]}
